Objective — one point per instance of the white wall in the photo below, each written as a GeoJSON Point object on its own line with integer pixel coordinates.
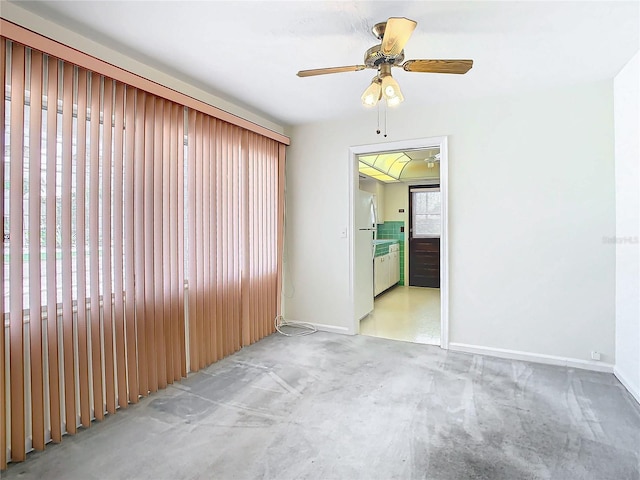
{"type": "Point", "coordinates": [396, 198]}
{"type": "Point", "coordinates": [528, 268]}
{"type": "Point", "coordinates": [26, 19]}
{"type": "Point", "coordinates": [627, 181]}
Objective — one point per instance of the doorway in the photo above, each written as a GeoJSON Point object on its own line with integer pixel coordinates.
{"type": "Point", "coordinates": [402, 303]}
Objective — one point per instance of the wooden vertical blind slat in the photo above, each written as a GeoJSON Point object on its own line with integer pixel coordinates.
{"type": "Point", "coordinates": [265, 232]}
{"type": "Point", "coordinates": [218, 223]}
{"type": "Point", "coordinates": [246, 331]}
{"type": "Point", "coordinates": [231, 228]}
{"type": "Point", "coordinates": [221, 284]}
{"type": "Point", "coordinates": [275, 235]}
{"type": "Point", "coordinates": [165, 257]}
{"type": "Point", "coordinates": [107, 289]}
{"type": "Point", "coordinates": [3, 411]}
{"type": "Point", "coordinates": [206, 232]}
{"type": "Point", "coordinates": [158, 248]}
{"type": "Point", "coordinates": [261, 179]}
{"type": "Point", "coordinates": [81, 254]}
{"type": "Point", "coordinates": [198, 251]}
{"type": "Point", "coordinates": [129, 206]}
{"type": "Point", "coordinates": [235, 222]}
{"type": "Point", "coordinates": [35, 287]}
{"type": "Point", "coordinates": [139, 245]}
{"type": "Point", "coordinates": [175, 144]}
{"type": "Point", "coordinates": [181, 229]}
{"type": "Point", "coordinates": [259, 255]}
{"type": "Point", "coordinates": [255, 222]}
{"type": "Point", "coordinates": [118, 245]}
{"type": "Point", "coordinates": [120, 203]}
{"type": "Point", "coordinates": [149, 293]}
{"type": "Point", "coordinates": [94, 257]}
{"type": "Point", "coordinates": [273, 243]}
{"type": "Point", "coordinates": [67, 295]}
{"type": "Point", "coordinates": [226, 253]}
{"type": "Point", "coordinates": [193, 337]}
{"type": "Point", "coordinates": [215, 355]}
{"type": "Point", "coordinates": [255, 247]}
{"type": "Point", "coordinates": [16, 328]}
{"type": "Point", "coordinates": [266, 250]}
{"type": "Point", "coordinates": [52, 314]}
{"type": "Point", "coordinates": [249, 251]}
{"type": "Point", "coordinates": [273, 207]}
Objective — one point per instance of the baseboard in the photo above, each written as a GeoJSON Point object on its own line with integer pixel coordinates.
{"type": "Point", "coordinates": [324, 328]}
{"type": "Point", "coordinates": [532, 357]}
{"type": "Point", "coordinates": [634, 391]}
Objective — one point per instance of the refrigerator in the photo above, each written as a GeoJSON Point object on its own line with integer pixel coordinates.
{"type": "Point", "coordinates": [365, 232]}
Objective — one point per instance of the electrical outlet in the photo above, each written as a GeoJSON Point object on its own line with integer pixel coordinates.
{"type": "Point", "coordinates": [595, 355]}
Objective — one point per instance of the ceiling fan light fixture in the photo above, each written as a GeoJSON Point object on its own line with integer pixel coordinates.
{"type": "Point", "coordinates": [391, 91]}
{"type": "Point", "coordinates": [372, 94]}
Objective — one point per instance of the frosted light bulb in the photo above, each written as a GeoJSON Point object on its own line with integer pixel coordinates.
{"type": "Point", "coordinates": [371, 95]}
{"type": "Point", "coordinates": [391, 91]}
{"type": "Point", "coordinates": [393, 101]}
{"type": "Point", "coordinates": [369, 100]}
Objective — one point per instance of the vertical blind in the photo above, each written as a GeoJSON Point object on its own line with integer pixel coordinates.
{"type": "Point", "coordinates": [141, 239]}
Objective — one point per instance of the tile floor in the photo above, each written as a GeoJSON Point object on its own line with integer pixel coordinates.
{"type": "Point", "coordinates": [411, 314]}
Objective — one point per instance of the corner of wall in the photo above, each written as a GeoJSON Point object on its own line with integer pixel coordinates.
{"type": "Point", "coordinates": [626, 93]}
{"type": "Point", "coordinates": [634, 390]}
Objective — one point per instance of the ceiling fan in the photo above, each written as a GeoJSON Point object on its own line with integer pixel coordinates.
{"type": "Point", "coordinates": [393, 35]}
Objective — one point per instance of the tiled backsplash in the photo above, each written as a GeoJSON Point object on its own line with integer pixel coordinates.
{"type": "Point", "coordinates": [392, 231]}
{"type": "Point", "coordinates": [382, 248]}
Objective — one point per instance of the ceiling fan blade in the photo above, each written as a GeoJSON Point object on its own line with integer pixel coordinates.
{"type": "Point", "coordinates": [438, 66]}
{"type": "Point", "coordinates": [324, 71]}
{"type": "Point", "coordinates": [396, 35]}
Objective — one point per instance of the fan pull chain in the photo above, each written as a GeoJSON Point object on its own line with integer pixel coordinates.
{"type": "Point", "coordinates": [385, 120]}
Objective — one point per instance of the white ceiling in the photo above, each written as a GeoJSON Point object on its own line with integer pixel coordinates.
{"type": "Point", "coordinates": [249, 52]}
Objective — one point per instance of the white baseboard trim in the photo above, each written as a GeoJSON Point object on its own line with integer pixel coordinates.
{"type": "Point", "coordinates": [634, 391]}
{"type": "Point", "coordinates": [325, 328]}
{"type": "Point", "coordinates": [532, 357]}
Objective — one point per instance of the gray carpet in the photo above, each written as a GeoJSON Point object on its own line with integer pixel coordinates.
{"type": "Point", "coordinates": [330, 406]}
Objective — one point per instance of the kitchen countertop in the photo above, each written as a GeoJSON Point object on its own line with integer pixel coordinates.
{"type": "Point", "coordinates": [382, 246]}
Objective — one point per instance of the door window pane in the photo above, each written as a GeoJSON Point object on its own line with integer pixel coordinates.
{"type": "Point", "coordinates": [426, 208]}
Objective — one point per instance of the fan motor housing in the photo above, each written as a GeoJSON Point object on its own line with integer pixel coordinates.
{"type": "Point", "coordinates": [374, 57]}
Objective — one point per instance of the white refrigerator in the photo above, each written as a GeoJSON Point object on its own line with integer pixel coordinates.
{"type": "Point", "coordinates": [365, 231]}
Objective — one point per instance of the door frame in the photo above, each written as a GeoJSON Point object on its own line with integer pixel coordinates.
{"type": "Point", "coordinates": [415, 144]}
